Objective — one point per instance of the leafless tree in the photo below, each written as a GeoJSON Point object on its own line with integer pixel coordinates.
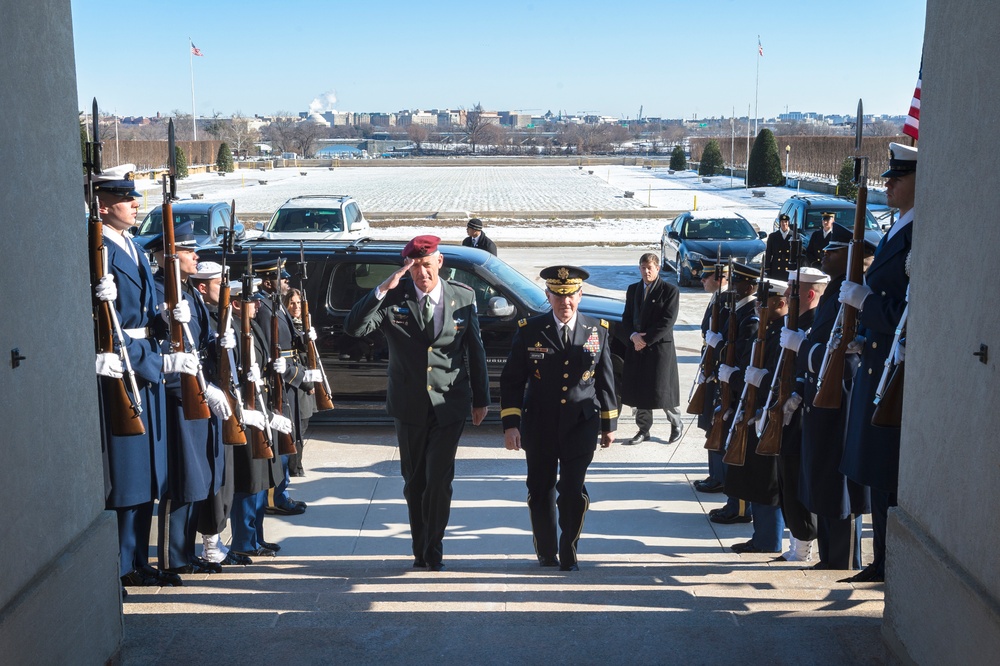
{"type": "Point", "coordinates": [617, 136]}
{"type": "Point", "coordinates": [883, 128]}
{"type": "Point", "coordinates": [418, 134]}
{"type": "Point", "coordinates": [306, 134]}
{"type": "Point", "coordinates": [281, 132]}
{"type": "Point", "coordinates": [475, 125]}
{"type": "Point", "coordinates": [239, 134]}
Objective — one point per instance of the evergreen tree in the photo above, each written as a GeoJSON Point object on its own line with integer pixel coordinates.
{"type": "Point", "coordinates": [224, 160]}
{"type": "Point", "coordinates": [181, 160]}
{"type": "Point", "coordinates": [711, 160]}
{"type": "Point", "coordinates": [678, 161]}
{"type": "Point", "coordinates": [84, 138]}
{"type": "Point", "coordinates": [765, 164]}
{"type": "Point", "coordinates": [845, 180]}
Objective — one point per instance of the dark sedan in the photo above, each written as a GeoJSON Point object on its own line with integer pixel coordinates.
{"type": "Point", "coordinates": [709, 235]}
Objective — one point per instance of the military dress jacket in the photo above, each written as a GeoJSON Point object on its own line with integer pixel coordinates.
{"type": "Point", "coordinates": [560, 398]}
{"type": "Point", "coordinates": [446, 370]}
{"type": "Point", "coordinates": [195, 454]}
{"type": "Point", "coordinates": [778, 255]}
{"type": "Point", "coordinates": [712, 390]}
{"type": "Point", "coordinates": [871, 456]}
{"type": "Point", "coordinates": [136, 466]}
{"type": "Point", "coordinates": [650, 379]}
{"type": "Point", "coordinates": [814, 248]}
{"type": "Point", "coordinates": [823, 488]}
{"type": "Point", "coordinates": [290, 344]}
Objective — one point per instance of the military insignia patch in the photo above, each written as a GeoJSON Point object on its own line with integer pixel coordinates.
{"type": "Point", "coordinates": [522, 323]}
{"type": "Point", "coordinates": [605, 324]}
{"type": "Point", "coordinates": [538, 375]}
{"type": "Point", "coordinates": [593, 343]}
{"type": "Point", "coordinates": [586, 375]}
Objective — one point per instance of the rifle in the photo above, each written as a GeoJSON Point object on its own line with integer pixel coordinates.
{"type": "Point", "coordinates": [717, 435]}
{"type": "Point", "coordinates": [323, 400]}
{"type": "Point", "coordinates": [830, 380]}
{"type": "Point", "coordinates": [696, 401]}
{"type": "Point", "coordinates": [260, 440]}
{"type": "Point", "coordinates": [889, 394]}
{"type": "Point", "coordinates": [736, 444]}
{"type": "Point", "coordinates": [286, 445]}
{"type": "Point", "coordinates": [771, 422]}
{"type": "Point", "coordinates": [192, 387]}
{"type": "Point", "coordinates": [232, 428]}
{"type": "Point", "coordinates": [125, 407]}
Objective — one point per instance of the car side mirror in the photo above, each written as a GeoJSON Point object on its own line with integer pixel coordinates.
{"type": "Point", "coordinates": [674, 235]}
{"type": "Point", "coordinates": [762, 235]}
{"type": "Point", "coordinates": [259, 226]}
{"type": "Point", "coordinates": [499, 307]}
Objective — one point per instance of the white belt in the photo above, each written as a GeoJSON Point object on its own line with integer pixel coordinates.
{"type": "Point", "coordinates": [136, 333]}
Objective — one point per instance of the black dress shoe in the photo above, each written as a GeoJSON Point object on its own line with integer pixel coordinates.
{"type": "Point", "coordinates": [169, 578]}
{"type": "Point", "coordinates": [746, 547]}
{"type": "Point", "coordinates": [708, 486]}
{"type": "Point", "coordinates": [437, 566]}
{"type": "Point", "coordinates": [207, 566]}
{"type": "Point", "coordinates": [873, 573]}
{"type": "Point", "coordinates": [419, 564]}
{"type": "Point", "coordinates": [729, 519]}
{"type": "Point", "coordinates": [548, 561]}
{"type": "Point", "coordinates": [569, 567]}
{"type": "Point", "coordinates": [819, 566]}
{"type": "Point", "coordinates": [271, 546]}
{"type": "Point", "coordinates": [675, 434]}
{"type": "Point", "coordinates": [233, 559]}
{"type": "Point", "coordinates": [141, 578]}
{"type": "Point", "coordinates": [639, 437]}
{"type": "Point", "coordinates": [293, 509]}
{"type": "Point", "coordinates": [256, 552]}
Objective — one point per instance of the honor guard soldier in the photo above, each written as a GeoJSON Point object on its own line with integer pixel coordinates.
{"type": "Point", "coordinates": [557, 401]}
{"type": "Point", "coordinates": [716, 469]}
{"type": "Point", "coordinates": [819, 239]}
{"type": "Point", "coordinates": [779, 249]}
{"type": "Point", "coordinates": [135, 465]}
{"type": "Point", "coordinates": [432, 329]}
{"type": "Point", "coordinates": [872, 453]}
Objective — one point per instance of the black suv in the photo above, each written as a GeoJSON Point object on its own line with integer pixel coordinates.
{"type": "Point", "coordinates": [807, 212]}
{"type": "Point", "coordinates": [341, 273]}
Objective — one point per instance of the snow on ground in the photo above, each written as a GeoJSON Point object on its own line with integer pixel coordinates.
{"type": "Point", "coordinates": [500, 189]}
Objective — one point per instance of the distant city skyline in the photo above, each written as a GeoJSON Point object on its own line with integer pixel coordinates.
{"type": "Point", "coordinates": [671, 59]}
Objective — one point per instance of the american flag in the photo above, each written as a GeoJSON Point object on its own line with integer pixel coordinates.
{"type": "Point", "coordinates": [195, 50]}
{"type": "Point", "coordinates": [912, 125]}
{"type": "Point", "coordinates": [760, 49]}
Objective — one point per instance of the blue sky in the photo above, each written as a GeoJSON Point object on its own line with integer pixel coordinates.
{"type": "Point", "coordinates": [674, 58]}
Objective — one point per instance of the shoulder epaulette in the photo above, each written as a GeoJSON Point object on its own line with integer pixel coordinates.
{"type": "Point", "coordinates": [605, 324]}
{"type": "Point", "coordinates": [456, 283]}
{"type": "Point", "coordinates": [522, 323]}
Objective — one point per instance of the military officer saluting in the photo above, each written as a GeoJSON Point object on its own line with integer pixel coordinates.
{"type": "Point", "coordinates": [557, 394]}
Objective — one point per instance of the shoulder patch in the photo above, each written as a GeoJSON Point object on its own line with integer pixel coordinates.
{"type": "Point", "coordinates": [605, 324]}
{"type": "Point", "coordinates": [521, 323]}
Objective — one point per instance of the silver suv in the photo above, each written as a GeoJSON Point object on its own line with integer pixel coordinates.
{"type": "Point", "coordinates": [317, 217]}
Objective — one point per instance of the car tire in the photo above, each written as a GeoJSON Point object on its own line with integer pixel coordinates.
{"type": "Point", "coordinates": [684, 277]}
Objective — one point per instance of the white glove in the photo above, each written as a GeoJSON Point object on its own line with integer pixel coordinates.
{"type": "Point", "coordinates": [106, 290]}
{"type": "Point", "coordinates": [899, 355]}
{"type": "Point", "coordinates": [755, 376]}
{"type": "Point", "coordinates": [311, 333]}
{"type": "Point", "coordinates": [314, 376]}
{"type": "Point", "coordinates": [280, 365]}
{"type": "Point", "coordinates": [254, 419]}
{"type": "Point", "coordinates": [712, 339]}
{"type": "Point", "coordinates": [789, 407]}
{"type": "Point", "coordinates": [281, 424]}
{"type": "Point", "coordinates": [218, 402]}
{"type": "Point", "coordinates": [791, 340]}
{"type": "Point", "coordinates": [110, 365]}
{"type": "Point", "coordinates": [228, 340]}
{"type": "Point", "coordinates": [180, 362]}
{"type": "Point", "coordinates": [726, 371]}
{"type": "Point", "coordinates": [856, 345]}
{"type": "Point", "coordinates": [854, 294]}
{"type": "Point", "coordinates": [254, 373]}
{"type": "Point", "coordinates": [182, 312]}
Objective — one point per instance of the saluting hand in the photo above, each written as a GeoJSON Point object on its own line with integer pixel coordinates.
{"type": "Point", "coordinates": [392, 281]}
{"type": "Point", "coordinates": [512, 439]}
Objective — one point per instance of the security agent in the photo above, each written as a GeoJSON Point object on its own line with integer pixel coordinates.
{"type": "Point", "coordinates": [476, 237]}
{"type": "Point", "coordinates": [432, 330]}
{"type": "Point", "coordinates": [557, 400]}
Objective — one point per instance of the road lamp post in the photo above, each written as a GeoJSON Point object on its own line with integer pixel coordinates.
{"type": "Point", "coordinates": [788, 149]}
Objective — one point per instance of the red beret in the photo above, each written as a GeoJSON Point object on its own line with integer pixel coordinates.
{"type": "Point", "coordinates": [421, 246]}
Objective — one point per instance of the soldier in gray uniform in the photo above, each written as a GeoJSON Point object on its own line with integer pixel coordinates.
{"type": "Point", "coordinates": [557, 396]}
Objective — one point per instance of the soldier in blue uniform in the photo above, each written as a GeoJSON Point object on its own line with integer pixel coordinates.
{"type": "Point", "coordinates": [871, 456]}
{"type": "Point", "coordinates": [713, 483]}
{"type": "Point", "coordinates": [432, 330]}
{"type": "Point", "coordinates": [195, 455]}
{"type": "Point", "coordinates": [557, 401]}
{"type": "Point", "coordinates": [135, 466]}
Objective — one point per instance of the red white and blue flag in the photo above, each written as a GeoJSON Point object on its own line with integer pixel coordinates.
{"type": "Point", "coordinates": [912, 125]}
{"type": "Point", "coordinates": [195, 50]}
{"type": "Point", "coordinates": [760, 49]}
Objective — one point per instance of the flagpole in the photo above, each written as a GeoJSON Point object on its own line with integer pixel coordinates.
{"type": "Point", "coordinates": [746, 175]}
{"type": "Point", "coordinates": [194, 117]}
{"type": "Point", "coordinates": [756, 87]}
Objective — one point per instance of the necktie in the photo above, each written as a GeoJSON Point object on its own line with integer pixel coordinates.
{"type": "Point", "coordinates": [565, 336]}
{"type": "Point", "coordinates": [427, 314]}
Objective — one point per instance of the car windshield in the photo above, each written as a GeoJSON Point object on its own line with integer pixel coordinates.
{"type": "Point", "coordinates": [723, 228]}
{"type": "Point", "coordinates": [843, 216]}
{"type": "Point", "coordinates": [530, 293]}
{"type": "Point", "coordinates": [320, 220]}
{"type": "Point", "coordinates": [153, 224]}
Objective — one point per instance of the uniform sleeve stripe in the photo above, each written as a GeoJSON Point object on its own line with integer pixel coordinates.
{"type": "Point", "coordinates": [613, 414]}
{"type": "Point", "coordinates": [510, 411]}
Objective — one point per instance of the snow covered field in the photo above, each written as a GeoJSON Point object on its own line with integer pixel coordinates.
{"type": "Point", "coordinates": [492, 191]}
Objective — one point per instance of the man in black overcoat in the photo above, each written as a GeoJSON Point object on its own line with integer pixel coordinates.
{"type": "Point", "coordinates": [477, 238]}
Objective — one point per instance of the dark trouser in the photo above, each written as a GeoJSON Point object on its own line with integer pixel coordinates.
{"type": "Point", "coordinates": [716, 468]}
{"type": "Point", "coordinates": [134, 523]}
{"type": "Point", "coordinates": [839, 542]}
{"type": "Point", "coordinates": [768, 528]}
{"type": "Point", "coordinates": [247, 521]}
{"type": "Point", "coordinates": [644, 418]}
{"type": "Point", "coordinates": [881, 501]}
{"type": "Point", "coordinates": [427, 463]}
{"type": "Point", "coordinates": [800, 522]}
{"type": "Point", "coordinates": [214, 512]}
{"type": "Point", "coordinates": [278, 496]}
{"type": "Point", "coordinates": [177, 524]}
{"type": "Point", "coordinates": [545, 494]}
